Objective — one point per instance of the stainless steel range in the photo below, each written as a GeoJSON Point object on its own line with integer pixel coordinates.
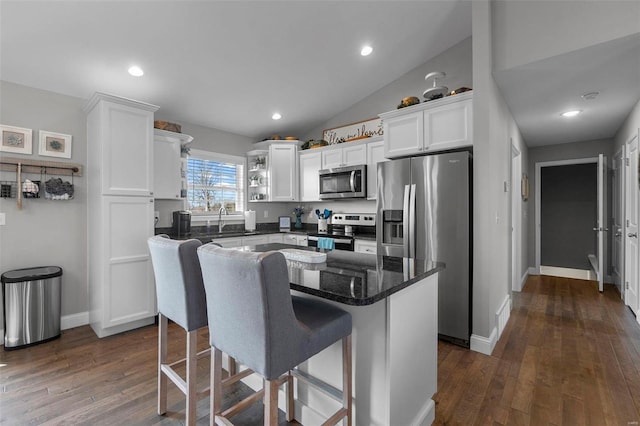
{"type": "Point", "coordinates": [344, 228]}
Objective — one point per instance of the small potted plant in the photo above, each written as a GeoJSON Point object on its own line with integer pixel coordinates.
{"type": "Point", "coordinates": [298, 212]}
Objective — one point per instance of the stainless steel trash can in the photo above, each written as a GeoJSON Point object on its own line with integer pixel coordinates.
{"type": "Point", "coordinates": [31, 300]}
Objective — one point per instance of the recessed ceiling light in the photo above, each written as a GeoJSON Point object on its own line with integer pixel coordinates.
{"type": "Point", "coordinates": [136, 71]}
{"type": "Point", "coordinates": [276, 116]}
{"type": "Point", "coordinates": [571, 113]}
{"type": "Point", "coordinates": [366, 51]}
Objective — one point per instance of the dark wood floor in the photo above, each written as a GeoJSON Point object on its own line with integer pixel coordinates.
{"type": "Point", "coordinates": [568, 356]}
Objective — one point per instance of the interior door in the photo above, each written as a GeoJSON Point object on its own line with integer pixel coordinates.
{"type": "Point", "coordinates": [631, 222]}
{"type": "Point", "coordinates": [602, 221]}
{"type": "Point", "coordinates": [617, 256]}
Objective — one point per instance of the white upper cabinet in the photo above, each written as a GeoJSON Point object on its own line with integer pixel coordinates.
{"type": "Point", "coordinates": [344, 155]}
{"type": "Point", "coordinates": [125, 136]}
{"type": "Point", "coordinates": [310, 164]}
{"type": "Point", "coordinates": [167, 176]}
{"type": "Point", "coordinates": [375, 155]}
{"type": "Point", "coordinates": [283, 172]}
{"type": "Point", "coordinates": [449, 126]}
{"type": "Point", "coordinates": [432, 126]}
{"type": "Point", "coordinates": [404, 135]}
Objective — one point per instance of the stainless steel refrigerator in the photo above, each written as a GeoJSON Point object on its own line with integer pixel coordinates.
{"type": "Point", "coordinates": [424, 212]}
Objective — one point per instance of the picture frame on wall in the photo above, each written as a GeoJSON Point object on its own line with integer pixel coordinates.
{"type": "Point", "coordinates": [17, 140]}
{"type": "Point", "coordinates": [55, 144]}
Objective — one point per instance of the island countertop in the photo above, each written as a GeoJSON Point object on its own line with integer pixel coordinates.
{"type": "Point", "coordinates": [351, 278]}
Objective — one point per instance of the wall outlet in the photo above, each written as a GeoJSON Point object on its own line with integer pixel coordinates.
{"type": "Point", "coordinates": [156, 217]}
{"type": "Point", "coordinates": [3, 219]}
{"type": "Point", "coordinates": [266, 213]}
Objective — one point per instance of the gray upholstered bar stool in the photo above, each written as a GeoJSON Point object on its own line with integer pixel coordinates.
{"type": "Point", "coordinates": [254, 318]}
{"type": "Point", "coordinates": [181, 298]}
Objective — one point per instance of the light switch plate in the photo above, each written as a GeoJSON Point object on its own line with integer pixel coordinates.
{"type": "Point", "coordinates": [3, 219]}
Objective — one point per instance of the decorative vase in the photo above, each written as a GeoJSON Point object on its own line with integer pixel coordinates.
{"type": "Point", "coordinates": [298, 221]}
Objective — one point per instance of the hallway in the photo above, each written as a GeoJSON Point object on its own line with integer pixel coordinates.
{"type": "Point", "coordinates": [568, 356]}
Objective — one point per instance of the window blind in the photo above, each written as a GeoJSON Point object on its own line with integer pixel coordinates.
{"type": "Point", "coordinates": [214, 181]}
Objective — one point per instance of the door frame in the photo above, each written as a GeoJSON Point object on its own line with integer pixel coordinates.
{"type": "Point", "coordinates": [621, 154]}
{"type": "Point", "coordinates": [516, 218]}
{"type": "Point", "coordinates": [539, 167]}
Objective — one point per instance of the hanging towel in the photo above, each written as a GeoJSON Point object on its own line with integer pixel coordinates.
{"type": "Point", "coordinates": [326, 243]}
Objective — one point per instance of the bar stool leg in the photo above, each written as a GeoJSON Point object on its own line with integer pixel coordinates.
{"type": "Point", "coordinates": [162, 359]}
{"type": "Point", "coordinates": [270, 402]}
{"type": "Point", "coordinates": [215, 388]}
{"type": "Point", "coordinates": [192, 361]}
{"type": "Point", "coordinates": [347, 390]}
{"type": "Point", "coordinates": [290, 403]}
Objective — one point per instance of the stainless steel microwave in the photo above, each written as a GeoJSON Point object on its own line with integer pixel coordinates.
{"type": "Point", "coordinates": [343, 182]}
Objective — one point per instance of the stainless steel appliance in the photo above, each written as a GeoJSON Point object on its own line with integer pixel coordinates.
{"type": "Point", "coordinates": [424, 212]}
{"type": "Point", "coordinates": [182, 223]}
{"type": "Point", "coordinates": [344, 228]}
{"type": "Point", "coordinates": [343, 182]}
{"type": "Point", "coordinates": [31, 300]}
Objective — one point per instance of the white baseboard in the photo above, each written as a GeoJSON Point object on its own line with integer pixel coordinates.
{"type": "Point", "coordinates": [580, 274]}
{"type": "Point", "coordinates": [483, 344]}
{"type": "Point", "coordinates": [502, 315]}
{"type": "Point", "coordinates": [533, 270]}
{"type": "Point", "coordinates": [74, 320]}
{"type": "Point", "coordinates": [517, 286]}
{"type": "Point", "coordinates": [66, 322]}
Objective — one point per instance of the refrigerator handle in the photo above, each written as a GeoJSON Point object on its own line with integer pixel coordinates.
{"type": "Point", "coordinates": [412, 221]}
{"type": "Point", "coordinates": [405, 221]}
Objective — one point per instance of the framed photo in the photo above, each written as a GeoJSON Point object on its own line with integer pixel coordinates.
{"type": "Point", "coordinates": [15, 139]}
{"type": "Point", "coordinates": [55, 144]}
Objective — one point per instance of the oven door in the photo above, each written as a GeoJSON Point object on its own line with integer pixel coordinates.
{"type": "Point", "coordinates": [343, 182]}
{"type": "Point", "coordinates": [341, 243]}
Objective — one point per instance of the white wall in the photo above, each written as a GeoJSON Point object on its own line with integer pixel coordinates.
{"type": "Point", "coordinates": [527, 31]}
{"type": "Point", "coordinates": [47, 232]}
{"type": "Point", "coordinates": [494, 129]}
{"type": "Point", "coordinates": [629, 128]}
{"type": "Point", "coordinates": [455, 62]}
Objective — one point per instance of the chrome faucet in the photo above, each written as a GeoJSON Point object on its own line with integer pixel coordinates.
{"type": "Point", "coordinates": [220, 222]}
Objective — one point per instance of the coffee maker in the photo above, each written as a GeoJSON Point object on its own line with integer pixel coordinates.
{"type": "Point", "coordinates": [182, 223]}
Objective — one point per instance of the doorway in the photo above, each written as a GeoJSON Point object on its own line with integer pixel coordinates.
{"type": "Point", "coordinates": [570, 227]}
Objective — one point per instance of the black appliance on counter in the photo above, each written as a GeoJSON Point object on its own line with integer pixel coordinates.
{"type": "Point", "coordinates": [344, 228]}
{"type": "Point", "coordinates": [182, 223]}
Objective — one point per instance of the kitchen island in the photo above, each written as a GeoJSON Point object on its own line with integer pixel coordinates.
{"type": "Point", "coordinates": [393, 303]}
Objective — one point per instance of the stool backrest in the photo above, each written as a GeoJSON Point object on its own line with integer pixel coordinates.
{"type": "Point", "coordinates": [251, 315]}
{"type": "Point", "coordinates": [179, 288]}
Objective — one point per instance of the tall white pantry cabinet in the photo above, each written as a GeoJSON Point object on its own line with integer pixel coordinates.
{"type": "Point", "coordinates": [120, 213]}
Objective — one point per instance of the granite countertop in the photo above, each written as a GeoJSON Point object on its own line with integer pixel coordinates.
{"type": "Point", "coordinates": [205, 235]}
{"type": "Point", "coordinates": [351, 278]}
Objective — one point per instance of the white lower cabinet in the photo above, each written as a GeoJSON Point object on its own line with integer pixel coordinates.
{"type": "Point", "coordinates": [295, 239]}
{"type": "Point", "coordinates": [255, 240]}
{"type": "Point", "coordinates": [275, 238]}
{"type": "Point", "coordinates": [365, 246]}
{"type": "Point", "coordinates": [122, 282]}
{"type": "Point", "coordinates": [228, 242]}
